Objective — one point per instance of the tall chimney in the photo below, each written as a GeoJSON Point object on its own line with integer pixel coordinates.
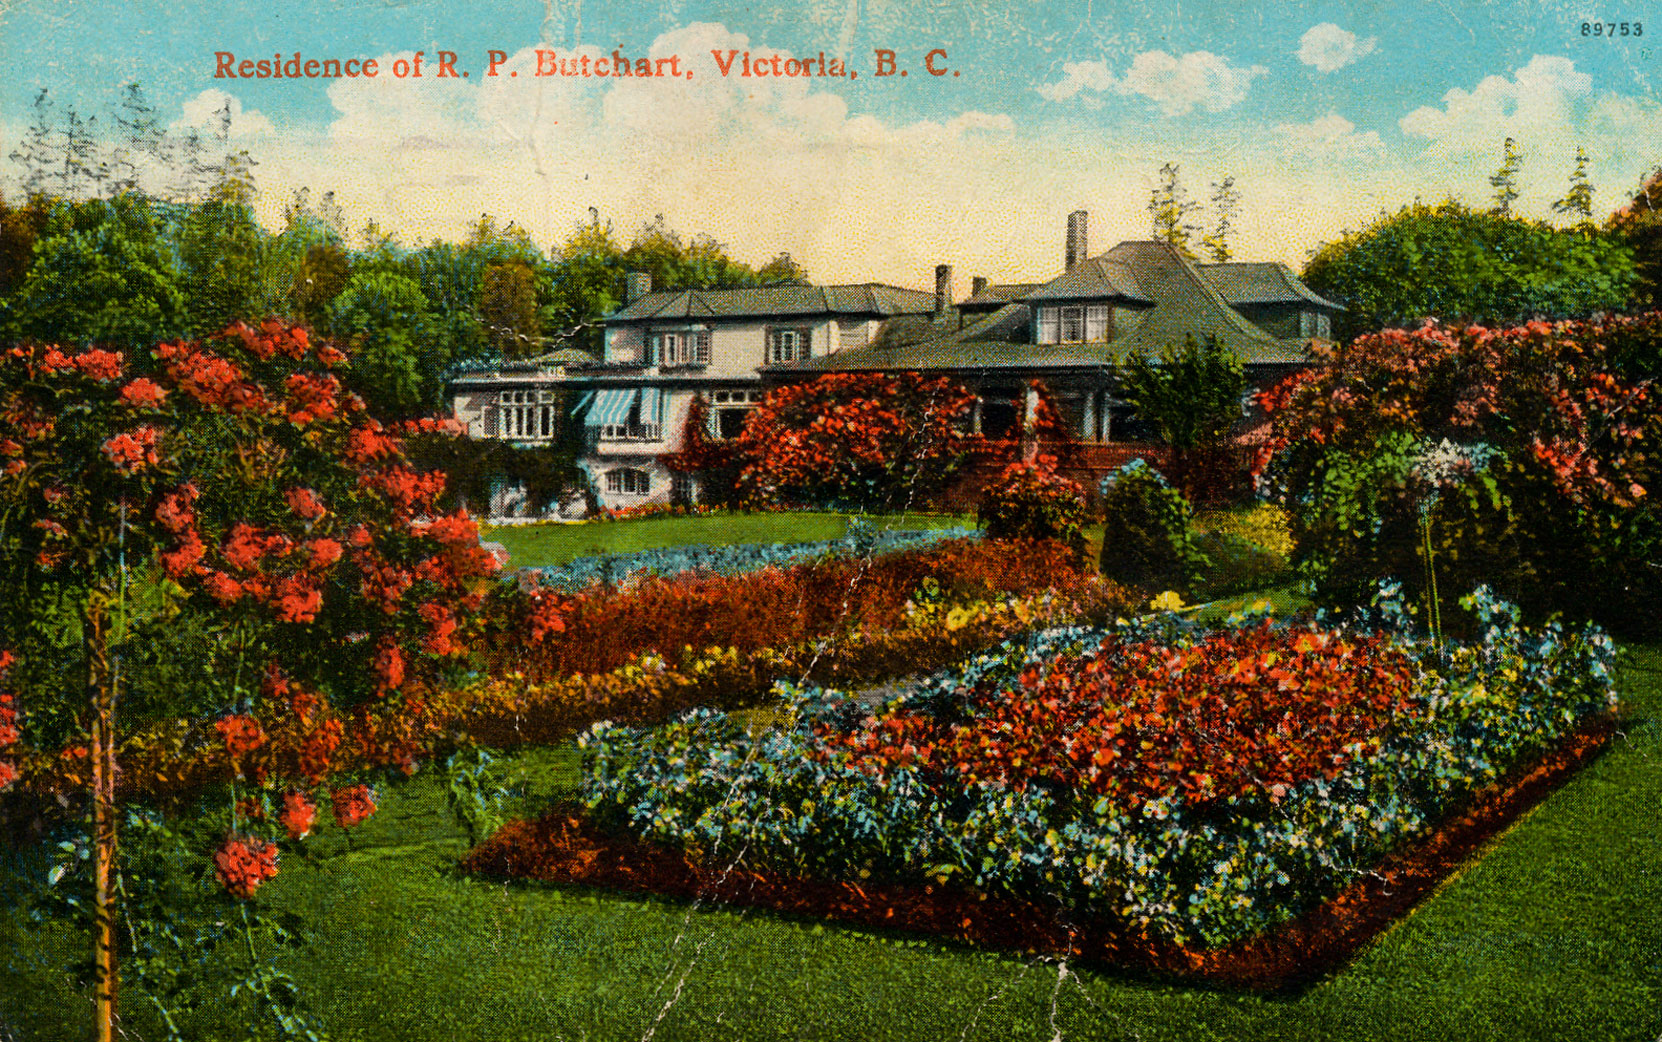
{"type": "Point", "coordinates": [978, 285]}
{"type": "Point", "coordinates": [1077, 246]}
{"type": "Point", "coordinates": [636, 284]}
{"type": "Point", "coordinates": [943, 288]}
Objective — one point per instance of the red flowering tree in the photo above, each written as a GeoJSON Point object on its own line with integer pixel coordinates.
{"type": "Point", "coordinates": [1522, 457]}
{"type": "Point", "coordinates": [234, 491]}
{"type": "Point", "coordinates": [867, 440]}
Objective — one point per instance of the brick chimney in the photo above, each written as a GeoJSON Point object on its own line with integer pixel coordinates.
{"type": "Point", "coordinates": [978, 285]}
{"type": "Point", "coordinates": [943, 288]}
{"type": "Point", "coordinates": [636, 284]}
{"type": "Point", "coordinates": [1078, 248]}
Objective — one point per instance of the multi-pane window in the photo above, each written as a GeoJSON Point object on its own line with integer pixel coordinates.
{"type": "Point", "coordinates": [629, 481]}
{"type": "Point", "coordinates": [527, 415]}
{"type": "Point", "coordinates": [787, 345]}
{"type": "Point", "coordinates": [681, 347]}
{"type": "Point", "coordinates": [1075, 324]}
{"type": "Point", "coordinates": [732, 408]}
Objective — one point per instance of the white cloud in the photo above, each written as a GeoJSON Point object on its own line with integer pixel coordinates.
{"type": "Point", "coordinates": [1199, 79]}
{"type": "Point", "coordinates": [1329, 137]}
{"type": "Point", "coordinates": [1080, 76]}
{"type": "Point", "coordinates": [1330, 48]}
{"type": "Point", "coordinates": [1540, 100]}
{"type": "Point", "coordinates": [203, 112]}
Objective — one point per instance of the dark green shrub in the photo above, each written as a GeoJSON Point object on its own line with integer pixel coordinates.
{"type": "Point", "coordinates": [1147, 538]}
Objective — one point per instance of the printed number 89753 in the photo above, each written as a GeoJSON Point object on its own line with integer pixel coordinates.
{"type": "Point", "coordinates": [1612, 28]}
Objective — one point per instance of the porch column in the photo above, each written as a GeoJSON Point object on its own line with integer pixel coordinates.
{"type": "Point", "coordinates": [1029, 416]}
{"type": "Point", "coordinates": [1088, 423]}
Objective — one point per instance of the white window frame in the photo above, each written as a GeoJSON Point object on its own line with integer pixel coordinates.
{"type": "Point", "coordinates": [789, 344]}
{"type": "Point", "coordinates": [526, 415]}
{"type": "Point", "coordinates": [629, 481]}
{"type": "Point", "coordinates": [1075, 324]}
{"type": "Point", "coordinates": [680, 346]}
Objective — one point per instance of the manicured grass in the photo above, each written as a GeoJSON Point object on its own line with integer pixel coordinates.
{"type": "Point", "coordinates": [1552, 934]}
{"type": "Point", "coordinates": [547, 545]}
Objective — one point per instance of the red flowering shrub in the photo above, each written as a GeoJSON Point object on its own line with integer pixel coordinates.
{"type": "Point", "coordinates": [352, 805]}
{"type": "Point", "coordinates": [243, 863]}
{"type": "Point", "coordinates": [8, 722]}
{"type": "Point", "coordinates": [298, 815]}
{"type": "Point", "coordinates": [259, 515]}
{"type": "Point", "coordinates": [601, 628]}
{"type": "Point", "coordinates": [1032, 501]}
{"type": "Point", "coordinates": [1239, 712]}
{"type": "Point", "coordinates": [867, 439]}
{"type": "Point", "coordinates": [1529, 452]}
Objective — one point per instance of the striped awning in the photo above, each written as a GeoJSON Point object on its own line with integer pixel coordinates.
{"type": "Point", "coordinates": [611, 407]}
{"type": "Point", "coordinates": [582, 403]}
{"type": "Point", "coordinates": [652, 405]}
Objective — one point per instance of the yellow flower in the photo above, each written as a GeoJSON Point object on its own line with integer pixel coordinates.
{"type": "Point", "coordinates": [1168, 601]}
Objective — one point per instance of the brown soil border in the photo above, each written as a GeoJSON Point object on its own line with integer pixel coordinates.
{"type": "Point", "coordinates": [562, 847]}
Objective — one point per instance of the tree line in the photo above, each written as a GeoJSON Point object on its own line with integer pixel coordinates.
{"type": "Point", "coordinates": [154, 230]}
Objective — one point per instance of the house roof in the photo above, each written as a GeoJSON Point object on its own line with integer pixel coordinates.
{"type": "Point", "coordinates": [871, 298]}
{"type": "Point", "coordinates": [995, 297]}
{"type": "Point", "coordinates": [1261, 282]}
{"type": "Point", "coordinates": [1181, 302]}
{"type": "Point", "coordinates": [1094, 279]}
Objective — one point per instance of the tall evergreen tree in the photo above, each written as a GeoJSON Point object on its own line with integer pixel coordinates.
{"type": "Point", "coordinates": [1226, 202]}
{"type": "Point", "coordinates": [1578, 202]}
{"type": "Point", "coordinates": [36, 153]}
{"type": "Point", "coordinates": [1505, 180]}
{"type": "Point", "coordinates": [1170, 209]}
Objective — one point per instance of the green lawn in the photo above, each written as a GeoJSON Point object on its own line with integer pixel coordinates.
{"type": "Point", "coordinates": [544, 545]}
{"type": "Point", "coordinates": [1553, 934]}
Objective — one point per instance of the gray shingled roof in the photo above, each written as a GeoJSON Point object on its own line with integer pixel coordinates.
{"type": "Point", "coordinates": [1260, 282]}
{"type": "Point", "coordinates": [1094, 279]}
{"type": "Point", "coordinates": [994, 297]}
{"type": "Point", "coordinates": [1183, 303]}
{"type": "Point", "coordinates": [758, 301]}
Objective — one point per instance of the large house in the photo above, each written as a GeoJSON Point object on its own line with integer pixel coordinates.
{"type": "Point", "coordinates": [664, 348]}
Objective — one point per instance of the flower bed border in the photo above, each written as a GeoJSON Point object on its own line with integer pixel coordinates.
{"type": "Point", "coordinates": [563, 847]}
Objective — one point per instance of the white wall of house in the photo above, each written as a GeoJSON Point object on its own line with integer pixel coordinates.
{"type": "Point", "coordinates": [738, 348]}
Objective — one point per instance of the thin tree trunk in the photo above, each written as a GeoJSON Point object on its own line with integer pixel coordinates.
{"type": "Point", "coordinates": [101, 688]}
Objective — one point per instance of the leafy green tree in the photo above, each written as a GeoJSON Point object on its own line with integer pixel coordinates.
{"type": "Point", "coordinates": [1638, 226]}
{"type": "Point", "coordinates": [20, 226]}
{"type": "Point", "coordinates": [397, 366]}
{"type": "Point", "coordinates": [125, 282]}
{"type": "Point", "coordinates": [1170, 211]}
{"type": "Point", "coordinates": [1189, 395]}
{"type": "Point", "coordinates": [319, 279]}
{"type": "Point", "coordinates": [1505, 180]}
{"type": "Point", "coordinates": [588, 279]}
{"type": "Point", "coordinates": [1454, 263]}
{"type": "Point", "coordinates": [508, 309]}
{"type": "Point", "coordinates": [782, 269]}
{"type": "Point", "coordinates": [221, 248]}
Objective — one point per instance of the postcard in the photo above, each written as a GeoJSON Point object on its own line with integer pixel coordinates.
{"type": "Point", "coordinates": [829, 520]}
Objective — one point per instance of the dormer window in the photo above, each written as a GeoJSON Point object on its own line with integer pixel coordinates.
{"type": "Point", "coordinates": [1075, 324]}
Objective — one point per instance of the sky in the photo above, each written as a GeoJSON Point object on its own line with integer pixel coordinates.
{"type": "Point", "coordinates": [1324, 114]}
